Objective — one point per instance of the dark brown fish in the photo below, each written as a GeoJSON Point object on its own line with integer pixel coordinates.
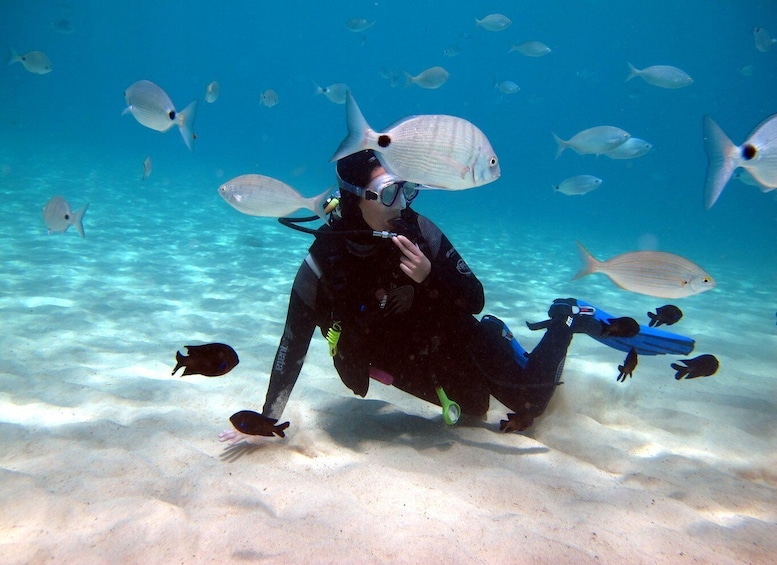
{"type": "Point", "coordinates": [701, 366]}
{"type": "Point", "coordinates": [668, 315]}
{"type": "Point", "coordinates": [211, 360]}
{"type": "Point", "coordinates": [621, 327]}
{"type": "Point", "coordinates": [628, 366]}
{"type": "Point", "coordinates": [515, 423]}
{"type": "Point", "coordinates": [253, 423]}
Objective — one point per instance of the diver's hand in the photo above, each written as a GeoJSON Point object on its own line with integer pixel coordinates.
{"type": "Point", "coordinates": [234, 437]}
{"type": "Point", "coordinates": [413, 262]}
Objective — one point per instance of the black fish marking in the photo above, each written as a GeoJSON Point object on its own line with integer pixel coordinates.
{"type": "Point", "coordinates": [384, 140]}
{"type": "Point", "coordinates": [627, 369]}
{"type": "Point", "coordinates": [749, 151]}
{"type": "Point", "coordinates": [701, 366]}
{"type": "Point", "coordinates": [669, 314]}
{"type": "Point", "coordinates": [253, 423]}
{"type": "Point", "coordinates": [210, 360]}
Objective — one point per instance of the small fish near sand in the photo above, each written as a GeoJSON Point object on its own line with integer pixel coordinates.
{"type": "Point", "coordinates": [669, 314]}
{"type": "Point", "coordinates": [152, 107]}
{"type": "Point", "coordinates": [629, 364]}
{"type": "Point", "coordinates": [259, 195]}
{"type": "Point", "coordinates": [757, 155]}
{"type": "Point", "coordinates": [58, 216]}
{"type": "Point", "coordinates": [210, 360]}
{"type": "Point", "coordinates": [701, 366]}
{"type": "Point", "coordinates": [654, 273]}
{"type": "Point", "coordinates": [434, 150]}
{"type": "Point", "coordinates": [147, 166]}
{"type": "Point", "coordinates": [254, 424]}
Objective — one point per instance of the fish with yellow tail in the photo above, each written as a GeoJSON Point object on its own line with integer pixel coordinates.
{"type": "Point", "coordinates": [654, 273]}
{"type": "Point", "coordinates": [434, 150]}
{"type": "Point", "coordinates": [757, 155]}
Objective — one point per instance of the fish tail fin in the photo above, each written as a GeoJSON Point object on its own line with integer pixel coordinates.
{"type": "Point", "coordinates": [185, 121]}
{"type": "Point", "coordinates": [721, 161]}
{"type": "Point", "coordinates": [78, 219]}
{"type": "Point", "coordinates": [633, 72]}
{"type": "Point", "coordinates": [358, 130]}
{"type": "Point", "coordinates": [681, 371]}
{"type": "Point", "coordinates": [316, 88]}
{"type": "Point", "coordinates": [318, 204]}
{"type": "Point", "coordinates": [278, 430]}
{"type": "Point", "coordinates": [560, 145]}
{"type": "Point", "coordinates": [409, 79]}
{"type": "Point", "coordinates": [13, 56]}
{"type": "Point", "coordinates": [179, 359]}
{"type": "Point", "coordinates": [653, 319]}
{"type": "Point", "coordinates": [589, 262]}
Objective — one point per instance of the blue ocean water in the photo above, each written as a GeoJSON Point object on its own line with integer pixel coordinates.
{"type": "Point", "coordinates": [63, 133]}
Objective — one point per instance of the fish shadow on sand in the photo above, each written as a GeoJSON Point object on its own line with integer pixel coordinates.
{"type": "Point", "coordinates": [351, 422]}
{"type": "Point", "coordinates": [232, 453]}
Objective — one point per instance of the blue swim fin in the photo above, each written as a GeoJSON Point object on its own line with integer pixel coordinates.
{"type": "Point", "coordinates": [649, 341]}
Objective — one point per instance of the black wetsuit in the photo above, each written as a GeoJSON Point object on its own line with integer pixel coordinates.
{"type": "Point", "coordinates": [422, 334]}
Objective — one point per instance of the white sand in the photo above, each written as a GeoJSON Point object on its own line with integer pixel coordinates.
{"type": "Point", "coordinates": [106, 458]}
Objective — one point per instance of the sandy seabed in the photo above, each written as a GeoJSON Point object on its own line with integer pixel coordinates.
{"type": "Point", "coordinates": [107, 458]}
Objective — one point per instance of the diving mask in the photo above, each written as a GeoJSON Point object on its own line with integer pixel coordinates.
{"type": "Point", "coordinates": [385, 188]}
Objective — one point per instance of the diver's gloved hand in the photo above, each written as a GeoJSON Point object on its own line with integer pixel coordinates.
{"type": "Point", "coordinates": [582, 319]}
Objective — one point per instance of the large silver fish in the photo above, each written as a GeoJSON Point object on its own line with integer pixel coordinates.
{"type": "Point", "coordinates": [663, 76]}
{"type": "Point", "coordinates": [654, 273]}
{"type": "Point", "coordinates": [757, 155]}
{"type": "Point", "coordinates": [593, 141]}
{"type": "Point", "coordinates": [258, 195]}
{"type": "Point", "coordinates": [152, 107]}
{"type": "Point", "coordinates": [58, 216]}
{"type": "Point", "coordinates": [435, 150]}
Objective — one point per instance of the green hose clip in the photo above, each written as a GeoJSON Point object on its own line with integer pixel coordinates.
{"type": "Point", "coordinates": [333, 336]}
{"type": "Point", "coordinates": [451, 411]}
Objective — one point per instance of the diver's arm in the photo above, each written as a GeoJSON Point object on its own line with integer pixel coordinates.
{"type": "Point", "coordinates": [300, 325]}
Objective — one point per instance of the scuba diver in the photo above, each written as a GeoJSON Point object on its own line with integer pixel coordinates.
{"type": "Point", "coordinates": [400, 308]}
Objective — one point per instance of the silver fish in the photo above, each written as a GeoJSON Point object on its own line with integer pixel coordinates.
{"type": "Point", "coordinates": [152, 107]}
{"type": "Point", "coordinates": [63, 26]}
{"type": "Point", "coordinates": [578, 185]}
{"type": "Point", "coordinates": [36, 62]}
{"type": "Point", "coordinates": [530, 48]}
{"type": "Point", "coordinates": [506, 87]}
{"type": "Point", "coordinates": [58, 216]}
{"type": "Point", "coordinates": [631, 149]}
{"type": "Point", "coordinates": [494, 22]}
{"type": "Point", "coordinates": [653, 273]}
{"type": "Point", "coordinates": [212, 92]}
{"type": "Point", "coordinates": [334, 92]}
{"type": "Point", "coordinates": [593, 141]}
{"type": "Point", "coordinates": [146, 168]}
{"type": "Point", "coordinates": [357, 25]}
{"type": "Point", "coordinates": [664, 76]}
{"type": "Point", "coordinates": [430, 79]}
{"type": "Point", "coordinates": [757, 155]}
{"type": "Point", "coordinates": [763, 41]}
{"type": "Point", "coordinates": [435, 150]}
{"type": "Point", "coordinates": [258, 195]}
{"type": "Point", "coordinates": [269, 98]}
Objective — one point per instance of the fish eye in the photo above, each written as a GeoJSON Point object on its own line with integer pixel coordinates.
{"type": "Point", "coordinates": [749, 151]}
{"type": "Point", "coordinates": [492, 162]}
{"type": "Point", "coordinates": [171, 114]}
{"type": "Point", "coordinates": [705, 280]}
{"type": "Point", "coordinates": [67, 216]}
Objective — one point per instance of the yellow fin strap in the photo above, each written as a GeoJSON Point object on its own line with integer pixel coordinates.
{"type": "Point", "coordinates": [332, 337]}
